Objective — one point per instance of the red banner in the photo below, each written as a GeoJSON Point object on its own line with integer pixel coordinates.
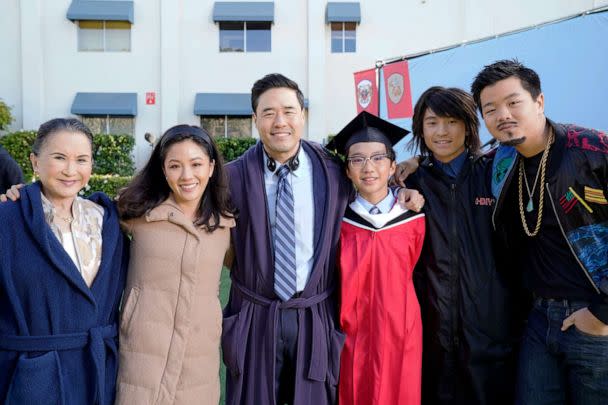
{"type": "Point", "coordinates": [397, 88]}
{"type": "Point", "coordinates": [366, 91]}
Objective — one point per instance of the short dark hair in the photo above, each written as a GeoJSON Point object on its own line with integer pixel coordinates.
{"type": "Point", "coordinates": [149, 188]}
{"type": "Point", "coordinates": [274, 81]}
{"type": "Point", "coordinates": [446, 102]}
{"type": "Point", "coordinates": [503, 69]}
{"type": "Point", "coordinates": [60, 124]}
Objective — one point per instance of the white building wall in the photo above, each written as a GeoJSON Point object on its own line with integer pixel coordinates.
{"type": "Point", "coordinates": [32, 62]}
{"type": "Point", "coordinates": [175, 53]}
{"type": "Point", "coordinates": [10, 63]}
{"type": "Point", "coordinates": [170, 79]}
{"type": "Point", "coordinates": [204, 69]}
{"type": "Point", "coordinates": [316, 80]}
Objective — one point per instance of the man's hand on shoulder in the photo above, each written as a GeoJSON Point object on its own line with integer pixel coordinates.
{"type": "Point", "coordinates": [410, 199]}
{"type": "Point", "coordinates": [12, 193]}
{"type": "Point", "coordinates": [404, 169]}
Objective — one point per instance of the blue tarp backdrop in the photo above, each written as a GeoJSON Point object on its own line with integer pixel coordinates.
{"type": "Point", "coordinates": [571, 58]}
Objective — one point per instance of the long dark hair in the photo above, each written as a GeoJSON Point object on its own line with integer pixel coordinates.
{"type": "Point", "coordinates": [446, 102]}
{"type": "Point", "coordinates": [149, 187]}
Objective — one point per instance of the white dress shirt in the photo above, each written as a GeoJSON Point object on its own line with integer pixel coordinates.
{"type": "Point", "coordinates": [304, 213]}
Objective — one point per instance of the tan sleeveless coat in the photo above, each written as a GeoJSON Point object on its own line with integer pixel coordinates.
{"type": "Point", "coordinates": [171, 317]}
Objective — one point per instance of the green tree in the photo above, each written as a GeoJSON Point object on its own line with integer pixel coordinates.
{"type": "Point", "coordinates": [6, 117]}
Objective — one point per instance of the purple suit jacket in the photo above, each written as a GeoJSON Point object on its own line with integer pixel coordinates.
{"type": "Point", "coordinates": [250, 318]}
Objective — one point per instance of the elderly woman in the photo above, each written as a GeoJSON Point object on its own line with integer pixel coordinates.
{"type": "Point", "coordinates": [62, 272]}
{"type": "Point", "coordinates": [178, 213]}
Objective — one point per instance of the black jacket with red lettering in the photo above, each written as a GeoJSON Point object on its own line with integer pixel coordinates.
{"type": "Point", "coordinates": [471, 311]}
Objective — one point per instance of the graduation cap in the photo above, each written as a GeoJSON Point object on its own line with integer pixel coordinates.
{"type": "Point", "coordinates": [366, 127]}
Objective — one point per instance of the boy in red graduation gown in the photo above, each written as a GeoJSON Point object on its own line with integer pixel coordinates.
{"type": "Point", "coordinates": [380, 244]}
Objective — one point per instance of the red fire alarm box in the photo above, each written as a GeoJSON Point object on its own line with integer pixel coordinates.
{"type": "Point", "coordinates": [150, 97]}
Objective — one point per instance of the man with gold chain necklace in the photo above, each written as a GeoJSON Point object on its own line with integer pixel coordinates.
{"type": "Point", "coordinates": [551, 185]}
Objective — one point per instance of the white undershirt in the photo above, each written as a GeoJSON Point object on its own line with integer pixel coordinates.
{"type": "Point", "coordinates": [69, 246]}
{"type": "Point", "coordinates": [67, 241]}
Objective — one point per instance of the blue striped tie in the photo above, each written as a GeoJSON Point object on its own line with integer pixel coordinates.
{"type": "Point", "coordinates": [284, 239]}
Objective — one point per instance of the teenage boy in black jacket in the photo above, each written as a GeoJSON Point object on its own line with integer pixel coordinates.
{"type": "Point", "coordinates": [469, 309]}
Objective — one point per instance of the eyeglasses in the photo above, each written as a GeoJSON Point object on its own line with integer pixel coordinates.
{"type": "Point", "coordinates": [360, 161]}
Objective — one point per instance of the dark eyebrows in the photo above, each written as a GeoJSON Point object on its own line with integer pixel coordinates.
{"type": "Point", "coordinates": [514, 94]}
{"type": "Point", "coordinates": [287, 107]}
{"type": "Point", "coordinates": [191, 160]}
{"type": "Point", "coordinates": [374, 153]}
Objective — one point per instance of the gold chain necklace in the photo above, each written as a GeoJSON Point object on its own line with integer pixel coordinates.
{"type": "Point", "coordinates": [67, 220]}
{"type": "Point", "coordinates": [542, 169]}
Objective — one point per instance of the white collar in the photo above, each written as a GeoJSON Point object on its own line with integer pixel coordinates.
{"type": "Point", "coordinates": [377, 220]}
{"type": "Point", "coordinates": [385, 205]}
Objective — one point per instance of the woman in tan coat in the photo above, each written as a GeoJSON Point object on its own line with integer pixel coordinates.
{"type": "Point", "coordinates": [178, 213]}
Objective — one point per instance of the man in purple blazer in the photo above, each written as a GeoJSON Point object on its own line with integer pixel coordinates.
{"type": "Point", "coordinates": [282, 345]}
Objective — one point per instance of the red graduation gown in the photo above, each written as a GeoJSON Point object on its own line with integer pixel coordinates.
{"type": "Point", "coordinates": [380, 314]}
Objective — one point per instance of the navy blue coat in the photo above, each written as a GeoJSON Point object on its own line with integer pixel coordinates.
{"type": "Point", "coordinates": [58, 338]}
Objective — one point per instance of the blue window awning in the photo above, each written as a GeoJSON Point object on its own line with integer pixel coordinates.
{"type": "Point", "coordinates": [105, 104]}
{"type": "Point", "coordinates": [222, 104]}
{"type": "Point", "coordinates": [343, 12]}
{"type": "Point", "coordinates": [101, 10]}
{"type": "Point", "coordinates": [243, 11]}
{"type": "Point", "coordinates": [225, 104]}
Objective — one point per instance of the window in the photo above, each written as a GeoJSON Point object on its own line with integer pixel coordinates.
{"type": "Point", "coordinates": [227, 126]}
{"type": "Point", "coordinates": [343, 37]}
{"type": "Point", "coordinates": [104, 36]}
{"type": "Point", "coordinates": [245, 36]}
{"type": "Point", "coordinates": [110, 124]}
